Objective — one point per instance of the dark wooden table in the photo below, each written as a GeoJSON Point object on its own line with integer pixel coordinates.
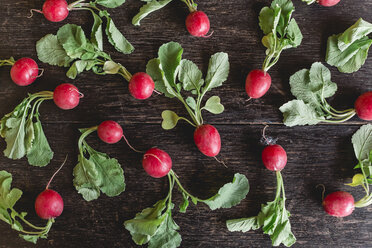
{"type": "Point", "coordinates": [316, 154]}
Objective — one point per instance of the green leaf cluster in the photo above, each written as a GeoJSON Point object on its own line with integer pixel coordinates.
{"type": "Point", "coordinates": [71, 48]}
{"type": "Point", "coordinates": [23, 132]}
{"type": "Point", "coordinates": [154, 5]}
{"type": "Point", "coordinates": [98, 173]}
{"type": "Point", "coordinates": [172, 74]}
{"type": "Point", "coordinates": [8, 198]}
{"type": "Point", "coordinates": [362, 143]}
{"type": "Point", "coordinates": [156, 226]}
{"type": "Point", "coordinates": [273, 219]}
{"type": "Point", "coordinates": [348, 51]}
{"type": "Point", "coordinates": [311, 88]}
{"type": "Point", "coordinates": [280, 29]}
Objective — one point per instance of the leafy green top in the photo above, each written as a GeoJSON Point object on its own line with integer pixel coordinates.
{"type": "Point", "coordinates": [311, 88]}
{"type": "Point", "coordinates": [23, 132]}
{"type": "Point", "coordinates": [71, 45]}
{"type": "Point", "coordinates": [9, 61]}
{"type": "Point", "coordinates": [8, 198]}
{"type": "Point", "coordinates": [98, 173]}
{"type": "Point", "coordinates": [156, 226]}
{"type": "Point", "coordinates": [154, 5]}
{"type": "Point", "coordinates": [169, 66]}
{"type": "Point", "coordinates": [348, 51]}
{"type": "Point", "coordinates": [362, 142]}
{"type": "Point", "coordinates": [273, 218]}
{"type": "Point", "coordinates": [281, 31]}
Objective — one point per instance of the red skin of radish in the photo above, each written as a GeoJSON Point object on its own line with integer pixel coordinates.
{"type": "Point", "coordinates": [197, 23]}
{"type": "Point", "coordinates": [363, 106]}
{"type": "Point", "coordinates": [141, 86]}
{"type": "Point", "coordinates": [257, 83]}
{"type": "Point", "coordinates": [208, 140]}
{"type": "Point", "coordinates": [55, 10]}
{"type": "Point", "coordinates": [66, 96]}
{"type": "Point", "coordinates": [157, 163]}
{"type": "Point", "coordinates": [339, 204]}
{"type": "Point", "coordinates": [328, 3]}
{"type": "Point", "coordinates": [49, 204]}
{"type": "Point", "coordinates": [24, 71]}
{"type": "Point", "coordinates": [274, 157]}
{"type": "Point", "coordinates": [110, 132]}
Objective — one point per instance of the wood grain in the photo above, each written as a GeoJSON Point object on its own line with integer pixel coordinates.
{"type": "Point", "coordinates": [317, 154]}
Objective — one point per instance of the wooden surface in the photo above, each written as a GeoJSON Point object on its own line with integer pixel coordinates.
{"type": "Point", "coordinates": [316, 154]}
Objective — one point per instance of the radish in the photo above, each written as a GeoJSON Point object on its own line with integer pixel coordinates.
{"type": "Point", "coordinates": [66, 96]}
{"type": "Point", "coordinates": [110, 132]}
{"type": "Point", "coordinates": [49, 204]}
{"type": "Point", "coordinates": [207, 139]}
{"type": "Point", "coordinates": [24, 71]}
{"type": "Point", "coordinates": [141, 85]}
{"type": "Point", "coordinates": [328, 3]}
{"type": "Point", "coordinates": [363, 106]}
{"type": "Point", "coordinates": [197, 23]}
{"type": "Point", "coordinates": [55, 10]}
{"type": "Point", "coordinates": [157, 163]}
{"type": "Point", "coordinates": [274, 157]}
{"type": "Point", "coordinates": [339, 204]}
{"type": "Point", "coordinates": [257, 83]}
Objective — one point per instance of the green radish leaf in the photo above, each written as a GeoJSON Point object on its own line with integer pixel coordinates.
{"type": "Point", "coordinates": [357, 31]}
{"type": "Point", "coordinates": [161, 84]}
{"type": "Point", "coordinates": [298, 113]}
{"type": "Point", "coordinates": [148, 8]}
{"type": "Point", "coordinates": [77, 67]}
{"type": "Point", "coordinates": [185, 203]}
{"type": "Point", "coordinates": [170, 55]}
{"type": "Point", "coordinates": [191, 102]}
{"type": "Point", "coordinates": [218, 71]}
{"type": "Point", "coordinates": [115, 37]}
{"type": "Point", "coordinates": [243, 224]}
{"type": "Point", "coordinates": [166, 235]}
{"type": "Point", "coordinates": [309, 1]}
{"type": "Point", "coordinates": [266, 20]}
{"type": "Point", "coordinates": [110, 67]}
{"type": "Point", "coordinates": [96, 34]}
{"type": "Point", "coordinates": [170, 119]}
{"type": "Point", "coordinates": [230, 194]}
{"type": "Point", "coordinates": [358, 179]}
{"type": "Point", "coordinates": [73, 40]}
{"type": "Point", "coordinates": [214, 105]}
{"type": "Point", "coordinates": [29, 135]}
{"type": "Point", "coordinates": [110, 3]}
{"type": "Point", "coordinates": [362, 142]}
{"type": "Point", "coordinates": [190, 76]}
{"type": "Point", "coordinates": [30, 238]}
{"type": "Point", "coordinates": [40, 153]}
{"type": "Point", "coordinates": [50, 51]}
{"type": "Point", "coordinates": [8, 196]}
{"type": "Point", "coordinates": [294, 34]}
{"type": "Point", "coordinates": [146, 224]}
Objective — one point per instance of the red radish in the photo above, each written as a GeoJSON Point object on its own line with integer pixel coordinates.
{"type": "Point", "coordinates": [339, 204]}
{"type": "Point", "coordinates": [197, 23]}
{"type": "Point", "coordinates": [257, 83]}
{"type": "Point", "coordinates": [49, 204]}
{"type": "Point", "coordinates": [141, 85]}
{"type": "Point", "coordinates": [110, 132]}
{"type": "Point", "coordinates": [24, 71]}
{"type": "Point", "coordinates": [157, 163]}
{"type": "Point", "coordinates": [328, 3]}
{"type": "Point", "coordinates": [208, 140]}
{"type": "Point", "coordinates": [55, 10]}
{"type": "Point", "coordinates": [274, 157]}
{"type": "Point", "coordinates": [363, 106]}
{"type": "Point", "coordinates": [66, 96]}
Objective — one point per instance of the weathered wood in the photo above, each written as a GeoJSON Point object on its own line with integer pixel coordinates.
{"type": "Point", "coordinates": [319, 154]}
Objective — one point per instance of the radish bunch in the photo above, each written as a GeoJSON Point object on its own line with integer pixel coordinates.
{"type": "Point", "coordinates": [273, 217]}
{"type": "Point", "coordinates": [281, 32]}
{"type": "Point", "coordinates": [340, 203]}
{"type": "Point", "coordinates": [173, 67]}
{"type": "Point", "coordinates": [48, 205]}
{"type": "Point", "coordinates": [24, 71]}
{"type": "Point", "coordinates": [58, 10]}
{"type": "Point", "coordinates": [22, 129]}
{"type": "Point", "coordinates": [311, 88]}
{"type": "Point", "coordinates": [105, 173]}
{"type": "Point", "coordinates": [155, 225]}
{"type": "Point", "coordinates": [80, 53]}
{"type": "Point", "coordinates": [197, 22]}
